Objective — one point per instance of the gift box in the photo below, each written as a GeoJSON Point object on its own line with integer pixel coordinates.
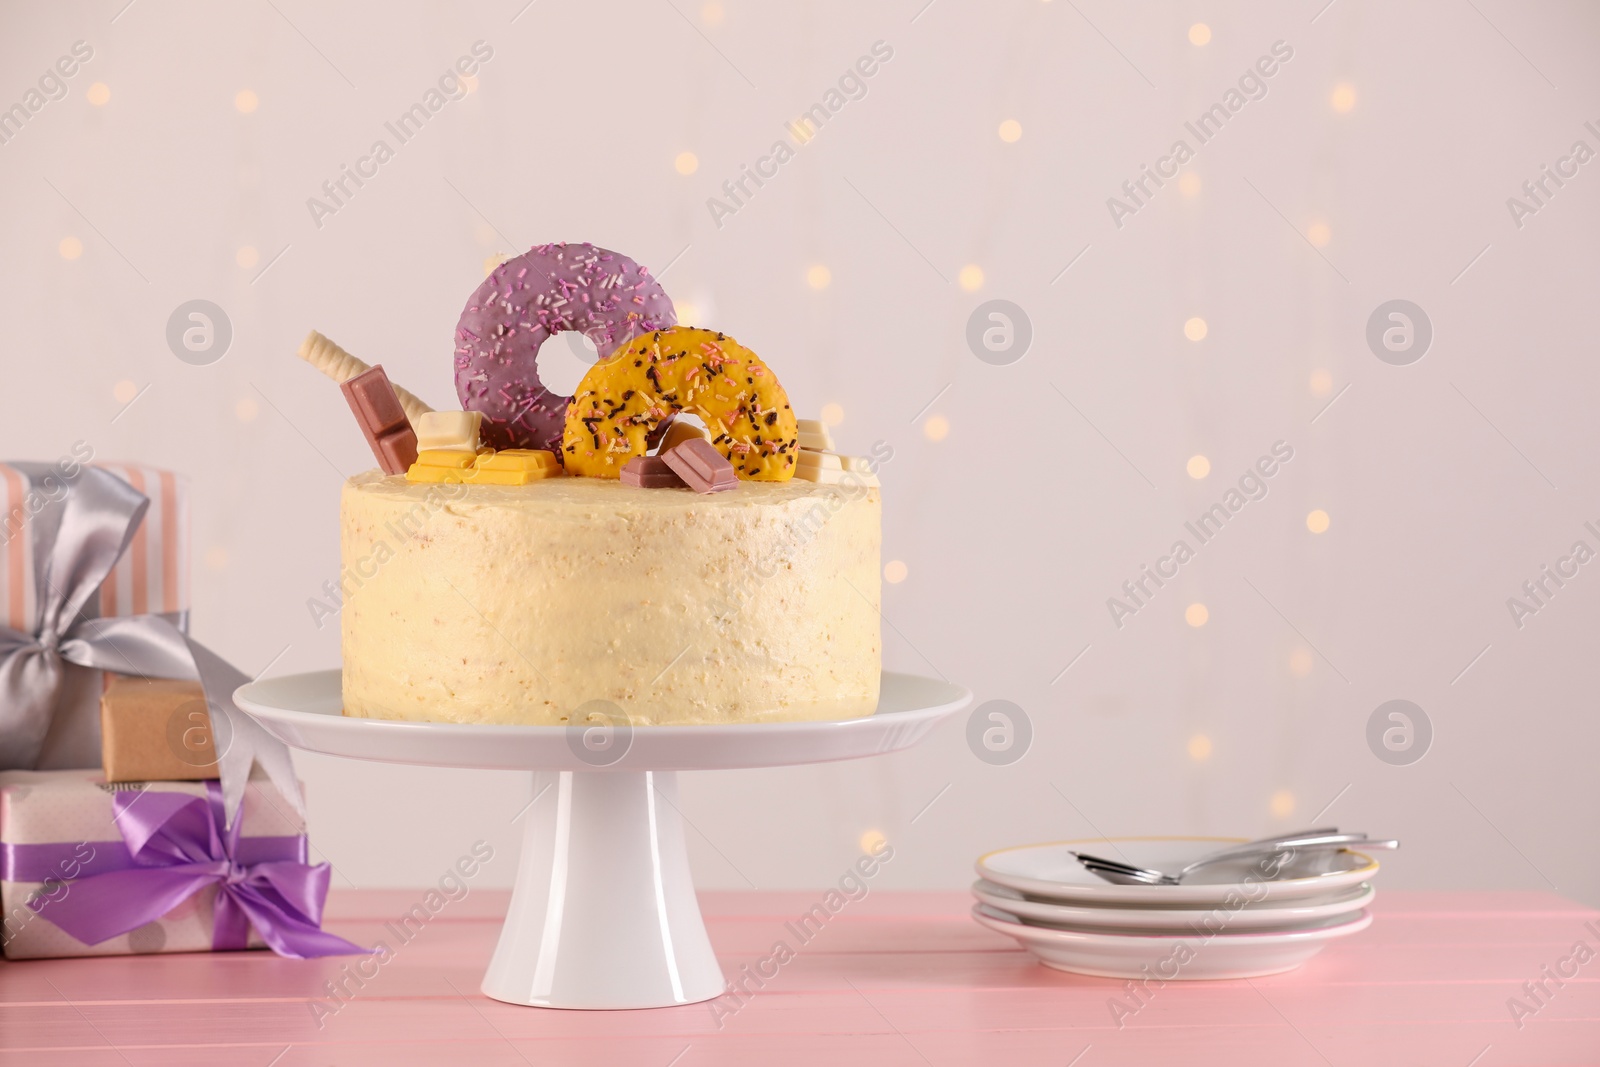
{"type": "Point", "coordinates": [89, 868]}
{"type": "Point", "coordinates": [151, 577]}
{"type": "Point", "coordinates": [71, 533]}
{"type": "Point", "coordinates": [155, 730]}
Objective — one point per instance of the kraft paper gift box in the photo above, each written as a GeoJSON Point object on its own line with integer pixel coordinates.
{"type": "Point", "coordinates": [151, 577]}
{"type": "Point", "coordinates": [61, 830]}
{"type": "Point", "coordinates": [155, 730]}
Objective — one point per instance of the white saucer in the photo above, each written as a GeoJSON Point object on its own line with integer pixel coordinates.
{"type": "Point", "coordinates": [1268, 915]}
{"type": "Point", "coordinates": [1050, 871]}
{"type": "Point", "coordinates": [1169, 957]}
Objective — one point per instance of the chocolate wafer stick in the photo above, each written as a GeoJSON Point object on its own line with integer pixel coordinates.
{"type": "Point", "coordinates": [341, 366]}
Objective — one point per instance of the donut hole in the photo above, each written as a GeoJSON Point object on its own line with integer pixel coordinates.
{"type": "Point", "coordinates": [563, 361]}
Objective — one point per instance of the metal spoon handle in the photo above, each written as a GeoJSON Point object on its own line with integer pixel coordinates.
{"type": "Point", "coordinates": [1126, 873]}
{"type": "Point", "coordinates": [1296, 844]}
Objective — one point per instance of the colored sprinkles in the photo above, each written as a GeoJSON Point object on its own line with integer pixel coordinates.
{"type": "Point", "coordinates": [571, 287]}
{"type": "Point", "coordinates": [682, 369]}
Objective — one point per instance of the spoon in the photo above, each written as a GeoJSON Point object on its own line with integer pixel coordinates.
{"type": "Point", "coordinates": [1127, 874]}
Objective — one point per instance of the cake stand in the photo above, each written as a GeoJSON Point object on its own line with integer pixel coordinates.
{"type": "Point", "coordinates": [603, 913]}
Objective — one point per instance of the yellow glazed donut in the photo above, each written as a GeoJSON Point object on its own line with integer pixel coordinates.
{"type": "Point", "coordinates": [706, 373]}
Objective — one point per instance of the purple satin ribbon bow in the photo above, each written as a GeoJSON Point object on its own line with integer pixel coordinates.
{"type": "Point", "coordinates": [177, 846]}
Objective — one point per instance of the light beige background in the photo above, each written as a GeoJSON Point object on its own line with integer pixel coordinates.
{"type": "Point", "coordinates": [1447, 483]}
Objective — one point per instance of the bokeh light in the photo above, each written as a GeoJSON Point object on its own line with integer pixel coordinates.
{"type": "Point", "coordinates": [1300, 662]}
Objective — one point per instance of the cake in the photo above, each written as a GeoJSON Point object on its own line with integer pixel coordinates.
{"type": "Point", "coordinates": [670, 544]}
{"type": "Point", "coordinates": [520, 604]}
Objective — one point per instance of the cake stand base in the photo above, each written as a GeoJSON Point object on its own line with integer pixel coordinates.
{"type": "Point", "coordinates": [604, 913]}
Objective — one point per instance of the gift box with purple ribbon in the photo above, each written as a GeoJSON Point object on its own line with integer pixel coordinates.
{"type": "Point", "coordinates": [95, 869]}
{"type": "Point", "coordinates": [88, 868]}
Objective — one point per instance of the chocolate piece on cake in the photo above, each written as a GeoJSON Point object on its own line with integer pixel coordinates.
{"type": "Point", "coordinates": [650, 472]}
{"type": "Point", "coordinates": [383, 421]}
{"type": "Point", "coordinates": [701, 466]}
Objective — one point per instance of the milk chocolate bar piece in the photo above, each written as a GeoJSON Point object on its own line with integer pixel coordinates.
{"type": "Point", "coordinates": [382, 420]}
{"type": "Point", "coordinates": [701, 466]}
{"type": "Point", "coordinates": [396, 451]}
{"type": "Point", "coordinates": [650, 472]}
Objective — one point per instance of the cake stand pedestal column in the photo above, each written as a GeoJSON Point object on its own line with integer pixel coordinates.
{"type": "Point", "coordinates": [604, 913]}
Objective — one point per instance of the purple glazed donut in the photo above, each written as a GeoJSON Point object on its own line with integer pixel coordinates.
{"type": "Point", "coordinates": [549, 289]}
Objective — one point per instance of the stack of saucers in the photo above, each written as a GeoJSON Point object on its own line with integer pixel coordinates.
{"type": "Point", "coordinates": [1255, 915]}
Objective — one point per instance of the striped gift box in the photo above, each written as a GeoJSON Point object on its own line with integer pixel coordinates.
{"type": "Point", "coordinates": [152, 576]}
{"type": "Point", "coordinates": [18, 607]}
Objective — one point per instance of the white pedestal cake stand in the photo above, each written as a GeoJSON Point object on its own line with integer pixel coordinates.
{"type": "Point", "coordinates": [604, 913]}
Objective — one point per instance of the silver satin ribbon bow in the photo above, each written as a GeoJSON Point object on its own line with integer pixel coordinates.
{"type": "Point", "coordinates": [78, 538]}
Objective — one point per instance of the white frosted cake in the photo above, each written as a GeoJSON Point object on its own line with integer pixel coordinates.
{"type": "Point", "coordinates": [671, 542]}
{"type": "Point", "coordinates": [521, 603]}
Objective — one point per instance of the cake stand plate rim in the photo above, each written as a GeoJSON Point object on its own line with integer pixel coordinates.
{"type": "Point", "coordinates": [302, 710]}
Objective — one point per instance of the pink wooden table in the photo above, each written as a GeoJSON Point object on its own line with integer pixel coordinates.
{"type": "Point", "coordinates": [896, 978]}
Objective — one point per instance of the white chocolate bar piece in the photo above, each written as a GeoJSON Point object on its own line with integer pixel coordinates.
{"type": "Point", "coordinates": [816, 458]}
{"type": "Point", "coordinates": [814, 434]}
{"type": "Point", "coordinates": [834, 476]}
{"type": "Point", "coordinates": [453, 430]}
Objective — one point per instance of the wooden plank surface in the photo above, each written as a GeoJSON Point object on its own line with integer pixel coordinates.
{"type": "Point", "coordinates": [897, 978]}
